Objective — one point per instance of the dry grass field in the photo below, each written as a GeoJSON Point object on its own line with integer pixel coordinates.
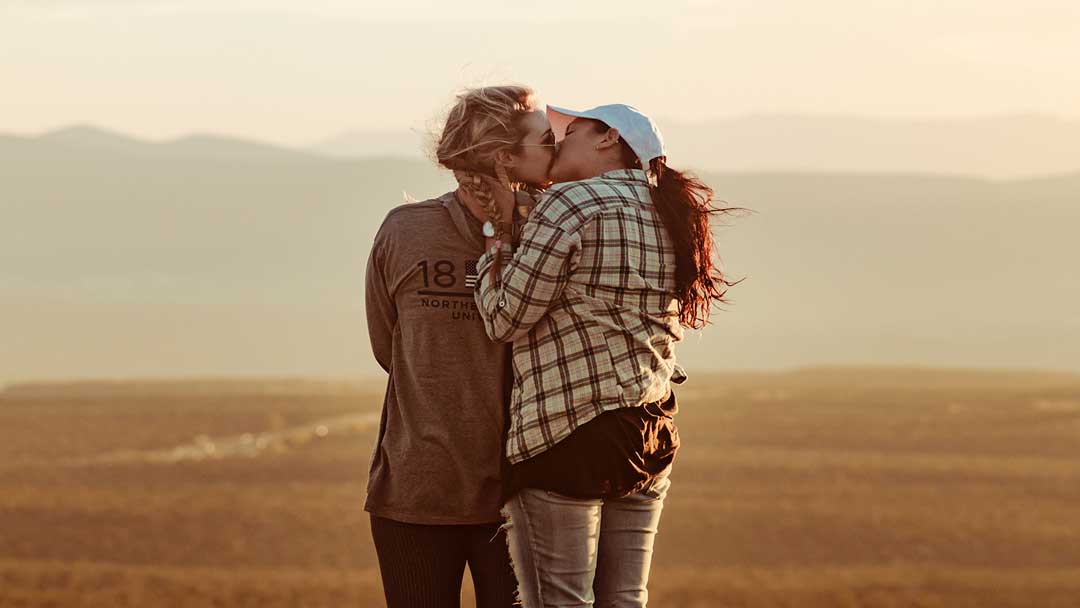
{"type": "Point", "coordinates": [825, 487]}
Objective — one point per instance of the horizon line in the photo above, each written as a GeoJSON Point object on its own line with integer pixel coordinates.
{"type": "Point", "coordinates": [210, 377]}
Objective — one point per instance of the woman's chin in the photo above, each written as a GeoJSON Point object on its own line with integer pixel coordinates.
{"type": "Point", "coordinates": [555, 176]}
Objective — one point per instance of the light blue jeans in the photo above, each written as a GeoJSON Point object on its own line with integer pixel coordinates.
{"type": "Point", "coordinates": [574, 552]}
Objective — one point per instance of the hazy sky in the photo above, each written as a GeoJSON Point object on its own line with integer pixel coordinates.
{"type": "Point", "coordinates": [296, 72]}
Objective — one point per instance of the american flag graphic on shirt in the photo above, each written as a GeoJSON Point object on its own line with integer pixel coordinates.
{"type": "Point", "coordinates": [470, 273]}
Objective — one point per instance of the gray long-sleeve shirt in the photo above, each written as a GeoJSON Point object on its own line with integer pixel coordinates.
{"type": "Point", "coordinates": [439, 456]}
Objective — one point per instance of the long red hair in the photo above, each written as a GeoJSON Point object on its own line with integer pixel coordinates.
{"type": "Point", "coordinates": [685, 204]}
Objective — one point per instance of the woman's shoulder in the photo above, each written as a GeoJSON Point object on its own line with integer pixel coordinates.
{"type": "Point", "coordinates": [404, 216]}
{"type": "Point", "coordinates": [569, 204]}
{"type": "Point", "coordinates": [410, 223]}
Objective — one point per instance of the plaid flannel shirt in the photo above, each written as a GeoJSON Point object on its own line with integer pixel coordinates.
{"type": "Point", "coordinates": [587, 298]}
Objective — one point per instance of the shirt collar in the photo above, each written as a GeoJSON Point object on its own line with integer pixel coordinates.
{"type": "Point", "coordinates": [467, 226]}
{"type": "Point", "coordinates": [629, 175]}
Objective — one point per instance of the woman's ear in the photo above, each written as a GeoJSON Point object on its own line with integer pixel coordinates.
{"type": "Point", "coordinates": [610, 138]}
{"type": "Point", "coordinates": [504, 157]}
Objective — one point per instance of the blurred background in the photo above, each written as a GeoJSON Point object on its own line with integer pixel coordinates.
{"type": "Point", "coordinates": [887, 413]}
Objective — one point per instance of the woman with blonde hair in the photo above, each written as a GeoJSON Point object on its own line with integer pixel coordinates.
{"type": "Point", "coordinates": [438, 469]}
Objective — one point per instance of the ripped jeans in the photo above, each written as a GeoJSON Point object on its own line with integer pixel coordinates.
{"type": "Point", "coordinates": [583, 552]}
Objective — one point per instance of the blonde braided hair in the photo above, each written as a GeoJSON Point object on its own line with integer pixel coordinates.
{"type": "Point", "coordinates": [476, 187]}
{"type": "Point", "coordinates": [482, 122]}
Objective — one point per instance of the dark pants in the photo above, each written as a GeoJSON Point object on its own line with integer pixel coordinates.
{"type": "Point", "coordinates": [422, 565]}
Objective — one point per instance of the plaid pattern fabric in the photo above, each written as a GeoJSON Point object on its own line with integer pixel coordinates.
{"type": "Point", "coordinates": [587, 298]}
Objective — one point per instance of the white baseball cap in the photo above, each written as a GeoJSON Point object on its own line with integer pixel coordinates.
{"type": "Point", "coordinates": [639, 131]}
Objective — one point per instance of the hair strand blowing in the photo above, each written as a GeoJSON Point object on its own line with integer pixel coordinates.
{"type": "Point", "coordinates": [685, 205]}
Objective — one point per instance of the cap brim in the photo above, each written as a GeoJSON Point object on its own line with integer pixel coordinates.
{"type": "Point", "coordinates": [560, 118]}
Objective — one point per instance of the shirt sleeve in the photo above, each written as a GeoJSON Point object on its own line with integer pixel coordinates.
{"type": "Point", "coordinates": [532, 276]}
{"type": "Point", "coordinates": [380, 308]}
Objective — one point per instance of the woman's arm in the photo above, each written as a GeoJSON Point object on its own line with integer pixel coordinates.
{"type": "Point", "coordinates": [528, 282]}
{"type": "Point", "coordinates": [380, 307]}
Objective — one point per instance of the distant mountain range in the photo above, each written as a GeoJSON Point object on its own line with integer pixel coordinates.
{"type": "Point", "coordinates": [89, 139]}
{"type": "Point", "coordinates": [216, 256]}
{"type": "Point", "coordinates": [996, 147]}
